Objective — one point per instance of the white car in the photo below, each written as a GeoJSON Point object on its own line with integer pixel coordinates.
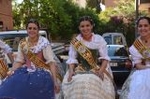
{"type": "Point", "coordinates": [114, 38]}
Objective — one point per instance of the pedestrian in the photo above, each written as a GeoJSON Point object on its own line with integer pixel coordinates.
{"type": "Point", "coordinates": [137, 85]}
{"type": "Point", "coordinates": [86, 78]}
{"type": "Point", "coordinates": [33, 75]}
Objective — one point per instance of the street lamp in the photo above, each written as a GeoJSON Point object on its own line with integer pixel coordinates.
{"type": "Point", "coordinates": [137, 15]}
{"type": "Point", "coordinates": [137, 8]}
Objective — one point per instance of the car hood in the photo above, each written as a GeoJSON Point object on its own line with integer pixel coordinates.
{"type": "Point", "coordinates": [118, 57]}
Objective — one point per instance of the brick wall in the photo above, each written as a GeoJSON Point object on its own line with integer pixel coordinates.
{"type": "Point", "coordinates": [109, 3]}
{"type": "Point", "coordinates": [6, 14]}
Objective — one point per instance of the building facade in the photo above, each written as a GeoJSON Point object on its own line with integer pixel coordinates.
{"type": "Point", "coordinates": [6, 18]}
{"type": "Point", "coordinates": [144, 5]}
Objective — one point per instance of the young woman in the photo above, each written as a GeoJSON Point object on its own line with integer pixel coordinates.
{"type": "Point", "coordinates": [86, 79]}
{"type": "Point", "coordinates": [4, 49]}
{"type": "Point", "coordinates": [137, 85]}
{"type": "Point", "coordinates": [33, 75]}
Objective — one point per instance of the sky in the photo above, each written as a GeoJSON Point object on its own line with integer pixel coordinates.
{"type": "Point", "coordinates": [19, 1]}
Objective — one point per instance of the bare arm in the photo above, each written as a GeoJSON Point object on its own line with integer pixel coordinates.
{"type": "Point", "coordinates": [15, 66]}
{"type": "Point", "coordinates": [54, 73]}
{"type": "Point", "coordinates": [102, 68]}
{"type": "Point", "coordinates": [71, 71]}
{"type": "Point", "coordinates": [10, 55]}
{"type": "Point", "coordinates": [53, 70]}
{"type": "Point", "coordinates": [140, 66]}
{"type": "Point", "coordinates": [71, 67]}
{"type": "Point", "coordinates": [103, 65]}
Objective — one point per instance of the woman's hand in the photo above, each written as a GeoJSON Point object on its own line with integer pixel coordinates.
{"type": "Point", "coordinates": [10, 72]}
{"type": "Point", "coordinates": [140, 66]}
{"type": "Point", "coordinates": [57, 87]}
{"type": "Point", "coordinates": [71, 73]}
{"type": "Point", "coordinates": [101, 74]}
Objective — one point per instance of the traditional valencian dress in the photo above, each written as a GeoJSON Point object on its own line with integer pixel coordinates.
{"type": "Point", "coordinates": [4, 49]}
{"type": "Point", "coordinates": [30, 81]}
{"type": "Point", "coordinates": [85, 84]}
{"type": "Point", "coordinates": [137, 86]}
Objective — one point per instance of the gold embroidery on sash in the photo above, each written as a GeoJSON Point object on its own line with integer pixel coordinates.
{"type": "Point", "coordinates": [88, 56]}
{"type": "Point", "coordinates": [37, 61]}
{"type": "Point", "coordinates": [84, 52]}
{"type": "Point", "coordinates": [141, 48]}
{"type": "Point", "coordinates": [40, 63]}
{"type": "Point", "coordinates": [3, 69]}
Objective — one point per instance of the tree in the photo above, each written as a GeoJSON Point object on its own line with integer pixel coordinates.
{"type": "Point", "coordinates": [120, 19]}
{"type": "Point", "coordinates": [58, 16]}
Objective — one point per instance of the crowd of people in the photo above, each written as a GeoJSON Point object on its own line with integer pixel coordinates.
{"type": "Point", "coordinates": [34, 72]}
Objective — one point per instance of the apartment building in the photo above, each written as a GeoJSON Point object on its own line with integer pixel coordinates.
{"type": "Point", "coordinates": [6, 18]}
{"type": "Point", "coordinates": [144, 5]}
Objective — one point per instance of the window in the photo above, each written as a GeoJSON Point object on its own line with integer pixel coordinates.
{"type": "Point", "coordinates": [108, 39]}
{"type": "Point", "coordinates": [12, 40]}
{"type": "Point", "coordinates": [118, 40]}
{"type": "Point", "coordinates": [144, 1]}
{"type": "Point", "coordinates": [1, 24]}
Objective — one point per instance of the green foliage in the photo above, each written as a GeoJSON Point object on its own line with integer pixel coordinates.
{"type": "Point", "coordinates": [120, 19]}
{"type": "Point", "coordinates": [60, 17]}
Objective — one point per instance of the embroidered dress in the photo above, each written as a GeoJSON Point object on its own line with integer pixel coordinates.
{"type": "Point", "coordinates": [4, 49]}
{"type": "Point", "coordinates": [28, 81]}
{"type": "Point", "coordinates": [137, 85]}
{"type": "Point", "coordinates": [88, 85]}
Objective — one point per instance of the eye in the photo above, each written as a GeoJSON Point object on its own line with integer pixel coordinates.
{"type": "Point", "coordinates": [85, 25]}
{"type": "Point", "coordinates": [145, 25]}
{"type": "Point", "coordinates": [30, 28]}
{"type": "Point", "coordinates": [82, 26]}
{"type": "Point", "coordinates": [139, 26]}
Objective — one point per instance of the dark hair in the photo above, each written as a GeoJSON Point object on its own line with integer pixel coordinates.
{"type": "Point", "coordinates": [86, 18]}
{"type": "Point", "coordinates": [33, 21]}
{"type": "Point", "coordinates": [142, 17]}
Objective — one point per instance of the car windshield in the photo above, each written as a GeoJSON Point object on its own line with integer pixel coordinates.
{"type": "Point", "coordinates": [12, 40]}
{"type": "Point", "coordinates": [117, 51]}
{"type": "Point", "coordinates": [108, 39]}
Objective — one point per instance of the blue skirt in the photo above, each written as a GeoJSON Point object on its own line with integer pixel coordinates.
{"type": "Point", "coordinates": [28, 85]}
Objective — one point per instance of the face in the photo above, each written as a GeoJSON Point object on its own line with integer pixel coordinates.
{"type": "Point", "coordinates": [85, 28]}
{"type": "Point", "coordinates": [32, 30]}
{"type": "Point", "coordinates": [144, 27]}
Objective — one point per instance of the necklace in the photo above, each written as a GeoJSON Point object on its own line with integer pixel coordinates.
{"type": "Point", "coordinates": [32, 42]}
{"type": "Point", "coordinates": [145, 41]}
{"type": "Point", "coordinates": [87, 38]}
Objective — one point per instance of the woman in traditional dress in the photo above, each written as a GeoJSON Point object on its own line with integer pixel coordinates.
{"type": "Point", "coordinates": [4, 49]}
{"type": "Point", "coordinates": [33, 75]}
{"type": "Point", "coordinates": [87, 77]}
{"type": "Point", "coordinates": [137, 85]}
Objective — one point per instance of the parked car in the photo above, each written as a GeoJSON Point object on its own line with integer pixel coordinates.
{"type": "Point", "coordinates": [115, 38]}
{"type": "Point", "coordinates": [120, 63]}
